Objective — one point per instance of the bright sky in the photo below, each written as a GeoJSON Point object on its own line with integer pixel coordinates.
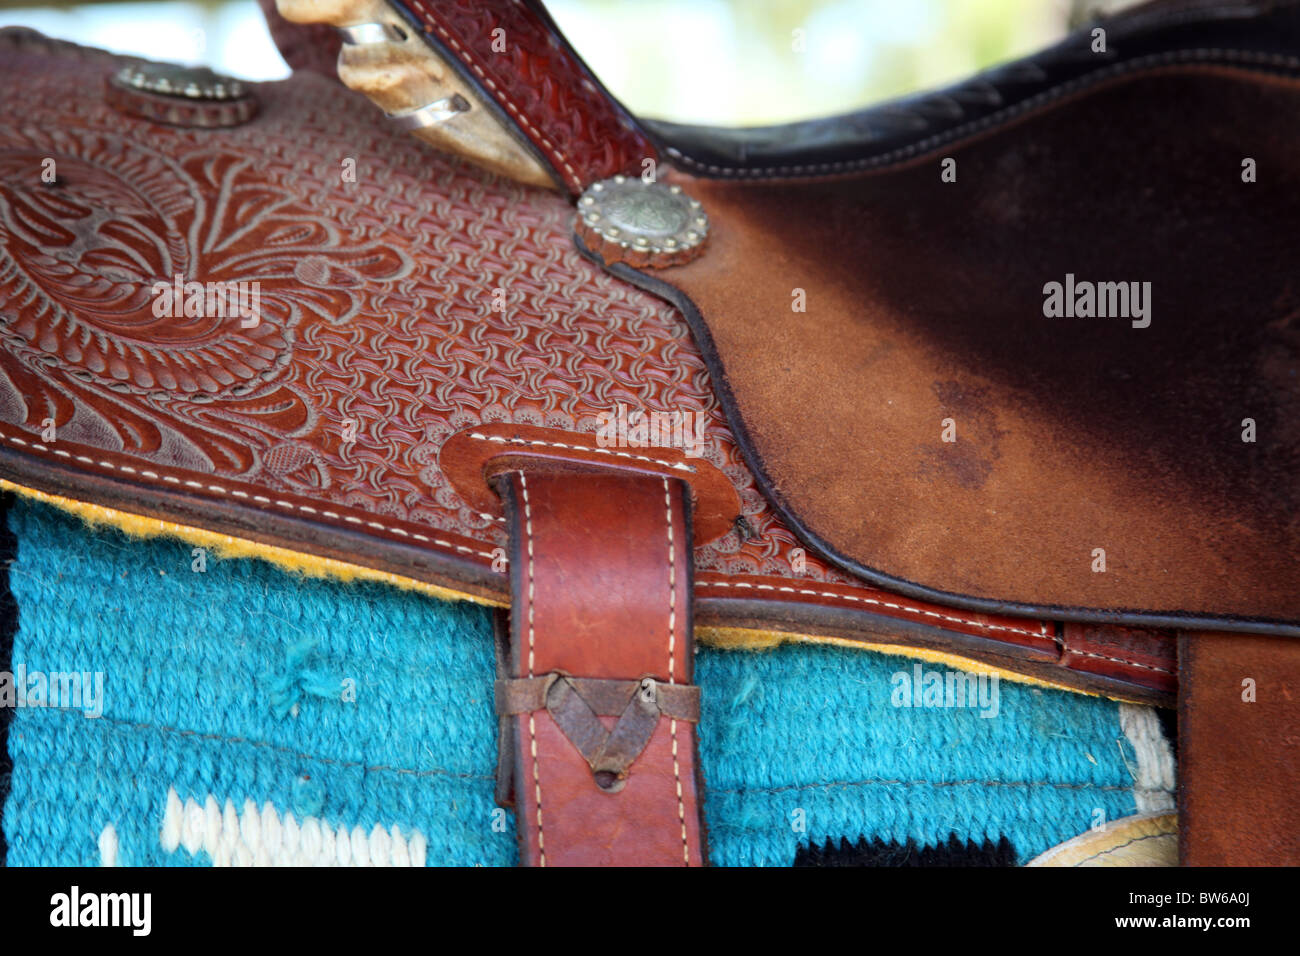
{"type": "Point", "coordinates": [731, 62]}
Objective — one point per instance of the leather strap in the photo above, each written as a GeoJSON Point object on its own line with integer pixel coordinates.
{"type": "Point", "coordinates": [600, 573]}
{"type": "Point", "coordinates": [1239, 750]}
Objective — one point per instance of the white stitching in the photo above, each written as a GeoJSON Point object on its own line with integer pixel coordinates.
{"type": "Point", "coordinates": [501, 440]}
{"type": "Point", "coordinates": [1118, 660]}
{"type": "Point", "coordinates": [672, 663]}
{"type": "Point", "coordinates": [952, 135]}
{"type": "Point", "coordinates": [260, 499]}
{"type": "Point", "coordinates": [464, 55]}
{"type": "Point", "coordinates": [892, 605]}
{"type": "Point", "coordinates": [672, 587]}
{"type": "Point", "coordinates": [532, 723]}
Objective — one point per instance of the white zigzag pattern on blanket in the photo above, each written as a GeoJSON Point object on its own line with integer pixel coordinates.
{"type": "Point", "coordinates": [265, 838]}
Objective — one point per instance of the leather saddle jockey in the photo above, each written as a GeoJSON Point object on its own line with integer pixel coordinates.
{"type": "Point", "coordinates": [1005, 373]}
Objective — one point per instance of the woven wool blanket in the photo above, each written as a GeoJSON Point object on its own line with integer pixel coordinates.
{"type": "Point", "coordinates": [231, 713]}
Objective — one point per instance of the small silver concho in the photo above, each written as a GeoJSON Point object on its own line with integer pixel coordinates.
{"type": "Point", "coordinates": [630, 220]}
{"type": "Point", "coordinates": [170, 79]}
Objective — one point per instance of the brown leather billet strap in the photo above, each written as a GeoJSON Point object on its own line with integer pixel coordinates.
{"type": "Point", "coordinates": [1239, 750]}
{"type": "Point", "coordinates": [600, 572]}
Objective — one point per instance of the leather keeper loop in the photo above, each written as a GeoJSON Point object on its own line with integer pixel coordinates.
{"type": "Point", "coordinates": [608, 698]}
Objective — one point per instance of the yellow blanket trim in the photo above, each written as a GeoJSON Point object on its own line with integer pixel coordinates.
{"type": "Point", "coordinates": [226, 546]}
{"type": "Point", "coordinates": [297, 562]}
{"type": "Point", "coordinates": [748, 640]}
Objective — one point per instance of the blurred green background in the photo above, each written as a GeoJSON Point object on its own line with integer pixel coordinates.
{"type": "Point", "coordinates": [731, 62]}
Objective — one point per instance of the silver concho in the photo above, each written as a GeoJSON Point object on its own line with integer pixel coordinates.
{"type": "Point", "coordinates": [630, 220]}
{"type": "Point", "coordinates": [169, 79]}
